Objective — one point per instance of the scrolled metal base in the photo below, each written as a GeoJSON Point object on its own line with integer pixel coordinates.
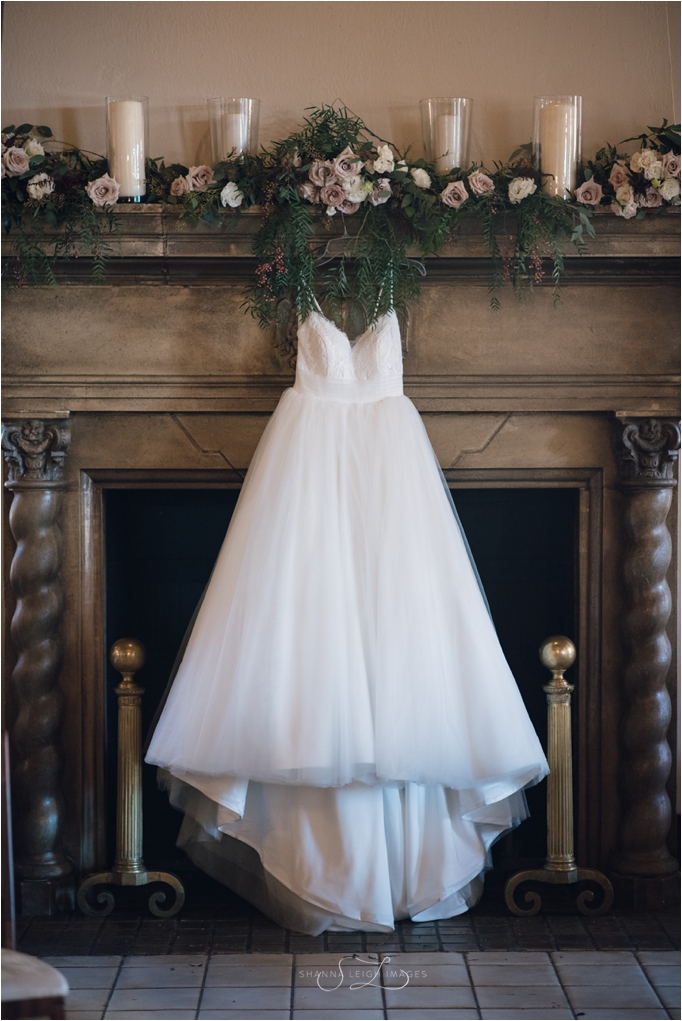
{"type": "Point", "coordinates": [567, 878]}
{"type": "Point", "coordinates": [106, 897]}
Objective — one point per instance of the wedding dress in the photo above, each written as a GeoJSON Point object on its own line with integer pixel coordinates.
{"type": "Point", "coordinates": [344, 734]}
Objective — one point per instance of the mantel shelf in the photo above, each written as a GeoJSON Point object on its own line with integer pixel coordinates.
{"type": "Point", "coordinates": [156, 232]}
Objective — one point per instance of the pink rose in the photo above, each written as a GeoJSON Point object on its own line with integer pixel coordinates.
{"type": "Point", "coordinates": [454, 194]}
{"type": "Point", "coordinates": [16, 161]}
{"type": "Point", "coordinates": [322, 172]}
{"type": "Point", "coordinates": [348, 207]}
{"type": "Point", "coordinates": [104, 191]}
{"type": "Point", "coordinates": [671, 165]}
{"type": "Point", "coordinates": [381, 192]}
{"type": "Point", "coordinates": [346, 165]}
{"type": "Point", "coordinates": [199, 178]}
{"type": "Point", "coordinates": [480, 183]}
{"type": "Point", "coordinates": [589, 193]}
{"type": "Point", "coordinates": [650, 199]}
{"type": "Point", "coordinates": [180, 186]}
{"type": "Point", "coordinates": [332, 195]}
{"type": "Point", "coordinates": [619, 175]}
{"type": "Point", "coordinates": [309, 192]}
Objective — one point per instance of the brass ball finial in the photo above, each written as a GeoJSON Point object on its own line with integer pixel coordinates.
{"type": "Point", "coordinates": [557, 654]}
{"type": "Point", "coordinates": [127, 656]}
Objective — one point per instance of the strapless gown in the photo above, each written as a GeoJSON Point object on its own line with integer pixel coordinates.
{"type": "Point", "coordinates": [344, 734]}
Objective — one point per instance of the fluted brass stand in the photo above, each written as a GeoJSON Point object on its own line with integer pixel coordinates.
{"type": "Point", "coordinates": [558, 654]}
{"type": "Point", "coordinates": [127, 656]}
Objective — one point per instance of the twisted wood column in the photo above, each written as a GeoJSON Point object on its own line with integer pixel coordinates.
{"type": "Point", "coordinates": [34, 451]}
{"type": "Point", "coordinates": [646, 451]}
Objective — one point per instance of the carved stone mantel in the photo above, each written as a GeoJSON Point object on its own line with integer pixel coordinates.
{"type": "Point", "coordinates": [162, 380]}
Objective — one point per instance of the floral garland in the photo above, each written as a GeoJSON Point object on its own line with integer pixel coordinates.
{"type": "Point", "coordinates": [395, 210]}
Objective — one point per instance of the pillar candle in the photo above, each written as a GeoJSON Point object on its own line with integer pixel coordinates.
{"type": "Point", "coordinates": [127, 146]}
{"type": "Point", "coordinates": [559, 147]}
{"type": "Point", "coordinates": [447, 142]}
{"type": "Point", "coordinates": [235, 127]}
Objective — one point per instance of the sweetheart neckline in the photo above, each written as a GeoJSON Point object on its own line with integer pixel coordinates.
{"type": "Point", "coordinates": [368, 332]}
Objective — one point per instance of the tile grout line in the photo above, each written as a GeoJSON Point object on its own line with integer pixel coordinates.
{"type": "Point", "coordinates": [651, 985]}
{"type": "Point", "coordinates": [113, 986]}
{"type": "Point", "coordinates": [207, 960]}
{"type": "Point", "coordinates": [471, 982]}
{"type": "Point", "coordinates": [563, 988]}
{"type": "Point", "coordinates": [294, 965]}
{"type": "Point", "coordinates": [380, 958]}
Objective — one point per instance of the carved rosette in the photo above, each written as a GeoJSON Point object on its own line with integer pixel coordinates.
{"type": "Point", "coordinates": [34, 451]}
{"type": "Point", "coordinates": [646, 451]}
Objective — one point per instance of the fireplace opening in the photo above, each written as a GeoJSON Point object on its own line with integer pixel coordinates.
{"type": "Point", "coordinates": [161, 545]}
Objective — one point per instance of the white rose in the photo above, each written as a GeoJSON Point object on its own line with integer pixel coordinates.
{"type": "Point", "coordinates": [357, 189]}
{"type": "Point", "coordinates": [385, 163]}
{"type": "Point", "coordinates": [626, 212]}
{"type": "Point", "coordinates": [520, 188]}
{"type": "Point", "coordinates": [420, 177]}
{"type": "Point", "coordinates": [32, 147]}
{"type": "Point", "coordinates": [40, 186]}
{"type": "Point", "coordinates": [654, 171]}
{"type": "Point", "coordinates": [401, 165]}
{"type": "Point", "coordinates": [625, 194]}
{"type": "Point", "coordinates": [670, 189]}
{"type": "Point", "coordinates": [639, 161]}
{"type": "Point", "coordinates": [231, 195]}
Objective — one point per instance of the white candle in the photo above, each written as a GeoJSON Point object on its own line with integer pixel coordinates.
{"type": "Point", "coordinates": [559, 147]}
{"type": "Point", "coordinates": [126, 146]}
{"type": "Point", "coordinates": [447, 142]}
{"type": "Point", "coordinates": [235, 126]}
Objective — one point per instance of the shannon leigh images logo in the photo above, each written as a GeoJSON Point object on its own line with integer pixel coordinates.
{"type": "Point", "coordinates": [354, 972]}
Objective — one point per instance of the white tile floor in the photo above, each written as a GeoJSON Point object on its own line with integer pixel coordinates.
{"type": "Point", "coordinates": [593, 985]}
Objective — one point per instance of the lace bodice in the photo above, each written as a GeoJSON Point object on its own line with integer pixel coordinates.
{"type": "Point", "coordinates": [329, 366]}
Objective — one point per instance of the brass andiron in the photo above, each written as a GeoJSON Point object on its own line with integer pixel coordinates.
{"type": "Point", "coordinates": [558, 654]}
{"type": "Point", "coordinates": [128, 656]}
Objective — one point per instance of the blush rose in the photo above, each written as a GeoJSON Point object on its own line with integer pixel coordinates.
{"type": "Point", "coordinates": [454, 194]}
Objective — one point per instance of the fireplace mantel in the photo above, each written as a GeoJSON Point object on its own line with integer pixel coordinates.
{"type": "Point", "coordinates": [180, 341]}
{"type": "Point", "coordinates": [157, 378]}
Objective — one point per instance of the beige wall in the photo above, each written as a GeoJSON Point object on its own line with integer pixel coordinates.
{"type": "Point", "coordinates": [61, 59]}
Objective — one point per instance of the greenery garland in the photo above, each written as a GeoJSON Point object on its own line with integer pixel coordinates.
{"type": "Point", "coordinates": [395, 211]}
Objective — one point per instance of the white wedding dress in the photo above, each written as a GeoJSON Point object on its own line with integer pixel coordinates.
{"type": "Point", "coordinates": [344, 734]}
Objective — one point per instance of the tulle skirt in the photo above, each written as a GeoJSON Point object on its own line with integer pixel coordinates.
{"type": "Point", "coordinates": [344, 676]}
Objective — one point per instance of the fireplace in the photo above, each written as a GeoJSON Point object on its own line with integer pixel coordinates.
{"type": "Point", "coordinates": [160, 547]}
{"type": "Point", "coordinates": [156, 383]}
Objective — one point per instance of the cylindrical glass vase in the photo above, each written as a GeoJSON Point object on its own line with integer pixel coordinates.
{"type": "Point", "coordinates": [445, 127]}
{"type": "Point", "coordinates": [557, 141]}
{"type": "Point", "coordinates": [234, 126]}
{"type": "Point", "coordinates": [127, 144]}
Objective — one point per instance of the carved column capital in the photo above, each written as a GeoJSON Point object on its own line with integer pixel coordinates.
{"type": "Point", "coordinates": [34, 450]}
{"type": "Point", "coordinates": [646, 451]}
